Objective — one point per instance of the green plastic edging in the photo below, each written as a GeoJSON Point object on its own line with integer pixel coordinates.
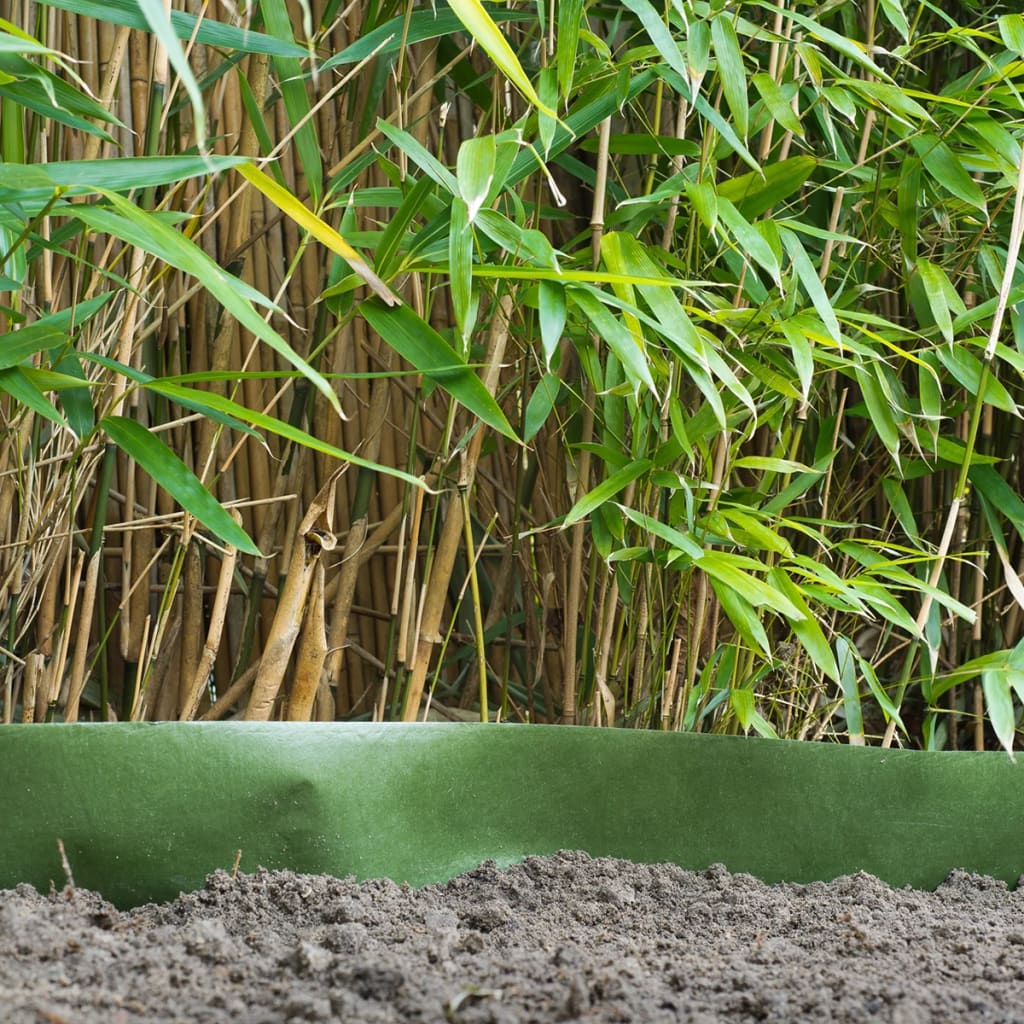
{"type": "Point", "coordinates": [146, 811]}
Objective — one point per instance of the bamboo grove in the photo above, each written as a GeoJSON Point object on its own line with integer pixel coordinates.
{"type": "Point", "coordinates": [631, 364]}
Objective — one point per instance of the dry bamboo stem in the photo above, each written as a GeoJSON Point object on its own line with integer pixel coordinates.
{"type": "Point", "coordinates": [211, 648]}
{"type": "Point", "coordinates": [231, 695]}
{"type": "Point", "coordinates": [314, 536]}
{"type": "Point", "coordinates": [192, 650]}
{"type": "Point", "coordinates": [31, 685]}
{"type": "Point", "coordinates": [352, 562]}
{"type": "Point", "coordinates": [82, 638]}
{"type": "Point", "coordinates": [312, 651]}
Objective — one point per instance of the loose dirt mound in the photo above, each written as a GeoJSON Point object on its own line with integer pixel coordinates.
{"type": "Point", "coordinates": [558, 938]}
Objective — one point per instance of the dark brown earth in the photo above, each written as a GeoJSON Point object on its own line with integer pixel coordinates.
{"type": "Point", "coordinates": [562, 938]}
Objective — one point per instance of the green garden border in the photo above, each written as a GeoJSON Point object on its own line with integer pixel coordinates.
{"type": "Point", "coordinates": [146, 811]}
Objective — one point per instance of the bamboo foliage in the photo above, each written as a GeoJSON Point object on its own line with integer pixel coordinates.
{"type": "Point", "coordinates": [605, 364]}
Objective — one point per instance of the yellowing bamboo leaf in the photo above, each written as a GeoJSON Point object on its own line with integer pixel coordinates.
{"type": "Point", "coordinates": [481, 27]}
{"type": "Point", "coordinates": [318, 228]}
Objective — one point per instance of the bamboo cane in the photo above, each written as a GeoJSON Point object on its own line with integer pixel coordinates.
{"type": "Point", "coordinates": [311, 652]}
{"type": "Point", "coordinates": [441, 568]}
{"type": "Point", "coordinates": [211, 647]}
{"type": "Point", "coordinates": [314, 536]}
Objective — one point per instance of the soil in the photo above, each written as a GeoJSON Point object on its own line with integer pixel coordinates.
{"type": "Point", "coordinates": [561, 938]}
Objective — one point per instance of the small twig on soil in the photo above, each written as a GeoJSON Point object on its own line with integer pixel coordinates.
{"type": "Point", "coordinates": [234, 867]}
{"type": "Point", "coordinates": [69, 889]}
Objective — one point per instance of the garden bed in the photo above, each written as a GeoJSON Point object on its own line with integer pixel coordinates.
{"type": "Point", "coordinates": [556, 938]}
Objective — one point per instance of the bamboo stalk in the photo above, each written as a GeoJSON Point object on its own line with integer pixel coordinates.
{"type": "Point", "coordinates": [436, 589]}
{"type": "Point", "coordinates": [311, 653]}
{"type": "Point", "coordinates": [211, 647]}
{"type": "Point", "coordinates": [82, 636]}
{"type": "Point", "coordinates": [314, 536]}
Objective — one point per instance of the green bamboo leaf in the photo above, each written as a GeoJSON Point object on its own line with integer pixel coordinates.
{"type": "Point", "coordinates": [539, 407]}
{"type": "Point", "coordinates": [42, 92]}
{"type": "Point", "coordinates": [256, 119]}
{"type": "Point", "coordinates": [19, 42]}
{"type": "Point", "coordinates": [999, 494]}
{"type": "Point", "coordinates": [421, 346]}
{"type": "Point", "coordinates": [17, 346]}
{"type": "Point", "coordinates": [189, 398]}
{"type": "Point", "coordinates": [159, 21]}
{"type": "Point", "coordinates": [811, 283]}
{"type": "Point", "coordinates": [75, 398]}
{"type": "Point", "coordinates": [37, 182]}
{"type": "Point", "coordinates": [893, 11]}
{"type": "Point", "coordinates": [177, 479]}
{"type": "Point", "coordinates": [625, 256]}
{"type": "Point", "coordinates": [24, 390]}
{"type": "Point", "coordinates": [607, 489]}
{"type": "Point", "coordinates": [755, 533]}
{"type": "Point", "coordinates": [743, 616]}
{"type": "Point", "coordinates": [778, 103]}
{"type": "Point", "coordinates": [698, 51]}
{"type": "Point", "coordinates": [722, 566]}
{"type": "Point", "coordinates": [431, 22]}
{"type": "Point", "coordinates": [892, 100]}
{"type": "Point", "coordinates": [999, 705]}
{"type": "Point", "coordinates": [388, 254]}
{"type": "Point", "coordinates": [474, 170]}
{"type": "Point", "coordinates": [846, 659]}
{"type": "Point", "coordinates": [750, 242]}
{"type": "Point", "coordinates": [709, 113]}
{"type": "Point", "coordinates": [741, 700]}
{"type": "Point", "coordinates": [481, 27]}
{"type": "Point", "coordinates": [756, 193]}
{"type": "Point", "coordinates": [803, 356]}
{"type": "Point", "coordinates": [628, 348]}
{"type": "Point", "coordinates": [186, 27]}
{"type": "Point", "coordinates": [898, 502]}
{"type": "Point", "coordinates": [683, 547]}
{"type": "Point", "coordinates": [943, 165]}
{"type": "Point", "coordinates": [460, 267]}
{"type": "Point", "coordinates": [48, 331]}
{"type": "Point", "coordinates": [968, 371]}
{"type": "Point", "coordinates": [547, 89]}
{"type": "Point", "coordinates": [420, 156]}
{"type": "Point", "coordinates": [578, 124]}
{"type": "Point", "coordinates": [655, 27]}
{"type": "Point", "coordinates": [306, 145]}
{"type": "Point", "coordinates": [732, 74]}
{"type": "Point", "coordinates": [851, 48]}
{"type": "Point", "coordinates": [882, 699]}
{"type": "Point", "coordinates": [526, 243]}
{"type": "Point", "coordinates": [1011, 30]}
{"type": "Point", "coordinates": [551, 299]}
{"type": "Point", "coordinates": [806, 628]}
{"type": "Point", "coordinates": [879, 411]}
{"type": "Point", "coordinates": [126, 221]}
{"type": "Point", "coordinates": [933, 280]}
{"type": "Point", "coordinates": [185, 397]}
{"type": "Point", "coordinates": [570, 17]}
{"type": "Point", "coordinates": [704, 199]}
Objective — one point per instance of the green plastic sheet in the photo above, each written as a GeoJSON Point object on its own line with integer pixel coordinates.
{"type": "Point", "coordinates": [145, 811]}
